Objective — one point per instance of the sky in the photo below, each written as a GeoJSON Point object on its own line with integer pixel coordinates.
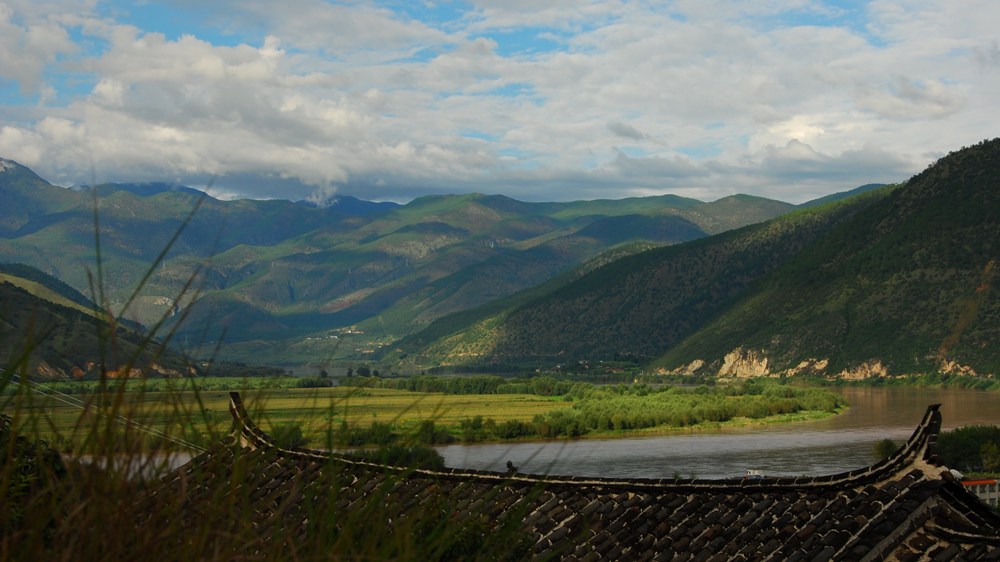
{"type": "Point", "coordinates": [550, 100]}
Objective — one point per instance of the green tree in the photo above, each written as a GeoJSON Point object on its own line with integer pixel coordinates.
{"type": "Point", "coordinates": [962, 448]}
{"type": "Point", "coordinates": [30, 471]}
{"type": "Point", "coordinates": [288, 435]}
{"type": "Point", "coordinates": [990, 453]}
{"type": "Point", "coordinates": [884, 449]}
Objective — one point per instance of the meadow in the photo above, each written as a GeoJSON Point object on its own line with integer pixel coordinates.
{"type": "Point", "coordinates": [68, 420]}
{"type": "Point", "coordinates": [171, 414]}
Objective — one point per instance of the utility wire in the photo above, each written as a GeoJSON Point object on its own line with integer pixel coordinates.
{"type": "Point", "coordinates": [73, 401]}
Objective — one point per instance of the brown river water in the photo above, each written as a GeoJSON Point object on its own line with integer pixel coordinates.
{"type": "Point", "coordinates": [836, 444]}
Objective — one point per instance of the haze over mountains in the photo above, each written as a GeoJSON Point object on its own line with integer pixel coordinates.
{"type": "Point", "coordinates": [881, 280]}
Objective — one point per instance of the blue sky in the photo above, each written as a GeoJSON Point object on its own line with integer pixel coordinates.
{"type": "Point", "coordinates": [557, 100]}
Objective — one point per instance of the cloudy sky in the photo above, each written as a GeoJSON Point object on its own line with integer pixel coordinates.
{"type": "Point", "coordinates": [536, 99]}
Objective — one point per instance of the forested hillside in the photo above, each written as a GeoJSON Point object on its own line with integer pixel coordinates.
{"type": "Point", "coordinates": [908, 285]}
{"type": "Point", "coordinates": [634, 308]}
{"type": "Point", "coordinates": [56, 334]}
{"type": "Point", "coordinates": [271, 278]}
{"type": "Point", "coordinates": [892, 280]}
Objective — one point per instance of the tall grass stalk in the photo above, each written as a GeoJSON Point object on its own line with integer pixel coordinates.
{"type": "Point", "coordinates": [86, 493]}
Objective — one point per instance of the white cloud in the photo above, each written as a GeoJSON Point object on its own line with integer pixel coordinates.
{"type": "Point", "coordinates": [565, 15]}
{"type": "Point", "coordinates": [701, 97]}
{"type": "Point", "coordinates": [904, 98]}
{"type": "Point", "coordinates": [797, 161]}
{"type": "Point", "coordinates": [358, 29]}
{"type": "Point", "coordinates": [658, 168]}
{"type": "Point", "coordinates": [626, 131]}
{"type": "Point", "coordinates": [27, 46]}
{"type": "Point", "coordinates": [988, 56]}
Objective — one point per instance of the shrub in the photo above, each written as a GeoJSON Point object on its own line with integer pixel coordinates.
{"type": "Point", "coordinates": [417, 456]}
{"type": "Point", "coordinates": [29, 472]}
{"type": "Point", "coordinates": [884, 449]}
{"type": "Point", "coordinates": [963, 448]}
{"type": "Point", "coordinates": [288, 435]}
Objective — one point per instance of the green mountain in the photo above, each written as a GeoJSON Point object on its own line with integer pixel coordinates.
{"type": "Point", "coordinates": [636, 307]}
{"type": "Point", "coordinates": [27, 196]}
{"type": "Point", "coordinates": [890, 280]}
{"type": "Point", "coordinates": [907, 285]}
{"type": "Point", "coordinates": [843, 195]}
{"type": "Point", "coordinates": [51, 331]}
{"type": "Point", "coordinates": [45, 286]}
{"type": "Point", "coordinates": [268, 276]}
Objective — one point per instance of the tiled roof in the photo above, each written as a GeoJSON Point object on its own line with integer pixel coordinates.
{"type": "Point", "coordinates": [904, 508]}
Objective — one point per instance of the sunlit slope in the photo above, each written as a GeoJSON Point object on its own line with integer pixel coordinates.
{"type": "Point", "coordinates": [49, 331]}
{"type": "Point", "coordinates": [634, 308]}
{"type": "Point", "coordinates": [909, 282]}
{"type": "Point", "coordinates": [269, 272]}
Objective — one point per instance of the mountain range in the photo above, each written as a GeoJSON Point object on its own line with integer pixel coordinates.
{"type": "Point", "coordinates": [893, 280]}
{"type": "Point", "coordinates": [49, 330]}
{"type": "Point", "coordinates": [286, 282]}
{"type": "Point", "coordinates": [878, 280]}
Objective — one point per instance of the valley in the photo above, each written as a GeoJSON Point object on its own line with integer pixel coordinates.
{"type": "Point", "coordinates": [875, 282]}
{"type": "Point", "coordinates": [270, 279]}
{"type": "Point", "coordinates": [499, 281]}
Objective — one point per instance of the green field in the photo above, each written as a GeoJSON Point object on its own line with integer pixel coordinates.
{"type": "Point", "coordinates": [203, 415]}
{"type": "Point", "coordinates": [163, 413]}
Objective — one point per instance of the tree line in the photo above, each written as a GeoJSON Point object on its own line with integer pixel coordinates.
{"type": "Point", "coordinates": [973, 448]}
{"type": "Point", "coordinates": [595, 408]}
{"type": "Point", "coordinates": [474, 384]}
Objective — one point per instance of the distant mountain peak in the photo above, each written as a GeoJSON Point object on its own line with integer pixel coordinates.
{"type": "Point", "coordinates": [350, 205]}
{"type": "Point", "coordinates": [335, 201]}
{"type": "Point", "coordinates": [7, 165]}
{"type": "Point", "coordinates": [15, 171]}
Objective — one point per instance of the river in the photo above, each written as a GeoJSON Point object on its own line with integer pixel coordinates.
{"type": "Point", "coordinates": [835, 444]}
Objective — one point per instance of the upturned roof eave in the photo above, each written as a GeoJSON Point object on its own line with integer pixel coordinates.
{"type": "Point", "coordinates": [918, 453]}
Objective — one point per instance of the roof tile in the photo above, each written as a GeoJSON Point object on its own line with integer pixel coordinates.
{"type": "Point", "coordinates": [895, 509]}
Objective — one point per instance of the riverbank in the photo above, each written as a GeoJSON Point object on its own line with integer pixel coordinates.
{"type": "Point", "coordinates": [826, 445]}
{"type": "Point", "coordinates": [355, 417]}
{"type": "Point", "coordinates": [781, 446]}
{"type": "Point", "coordinates": [733, 424]}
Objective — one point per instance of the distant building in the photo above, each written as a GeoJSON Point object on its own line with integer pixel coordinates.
{"type": "Point", "coordinates": [987, 489]}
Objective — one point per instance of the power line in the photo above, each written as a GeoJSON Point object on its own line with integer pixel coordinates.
{"type": "Point", "coordinates": [76, 402]}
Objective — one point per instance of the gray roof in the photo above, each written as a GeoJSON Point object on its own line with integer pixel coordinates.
{"type": "Point", "coordinates": [907, 507]}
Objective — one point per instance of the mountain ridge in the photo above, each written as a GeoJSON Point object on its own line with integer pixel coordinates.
{"type": "Point", "coordinates": [888, 280]}
{"type": "Point", "coordinates": [49, 331]}
{"type": "Point", "coordinates": [277, 271]}
{"type": "Point", "coordinates": [906, 286]}
{"type": "Point", "coordinates": [636, 305]}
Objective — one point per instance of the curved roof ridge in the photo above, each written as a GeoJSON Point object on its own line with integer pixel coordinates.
{"type": "Point", "coordinates": [918, 453]}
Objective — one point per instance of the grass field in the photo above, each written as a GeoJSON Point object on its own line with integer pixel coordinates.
{"type": "Point", "coordinates": [203, 416]}
{"type": "Point", "coordinates": [162, 413]}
